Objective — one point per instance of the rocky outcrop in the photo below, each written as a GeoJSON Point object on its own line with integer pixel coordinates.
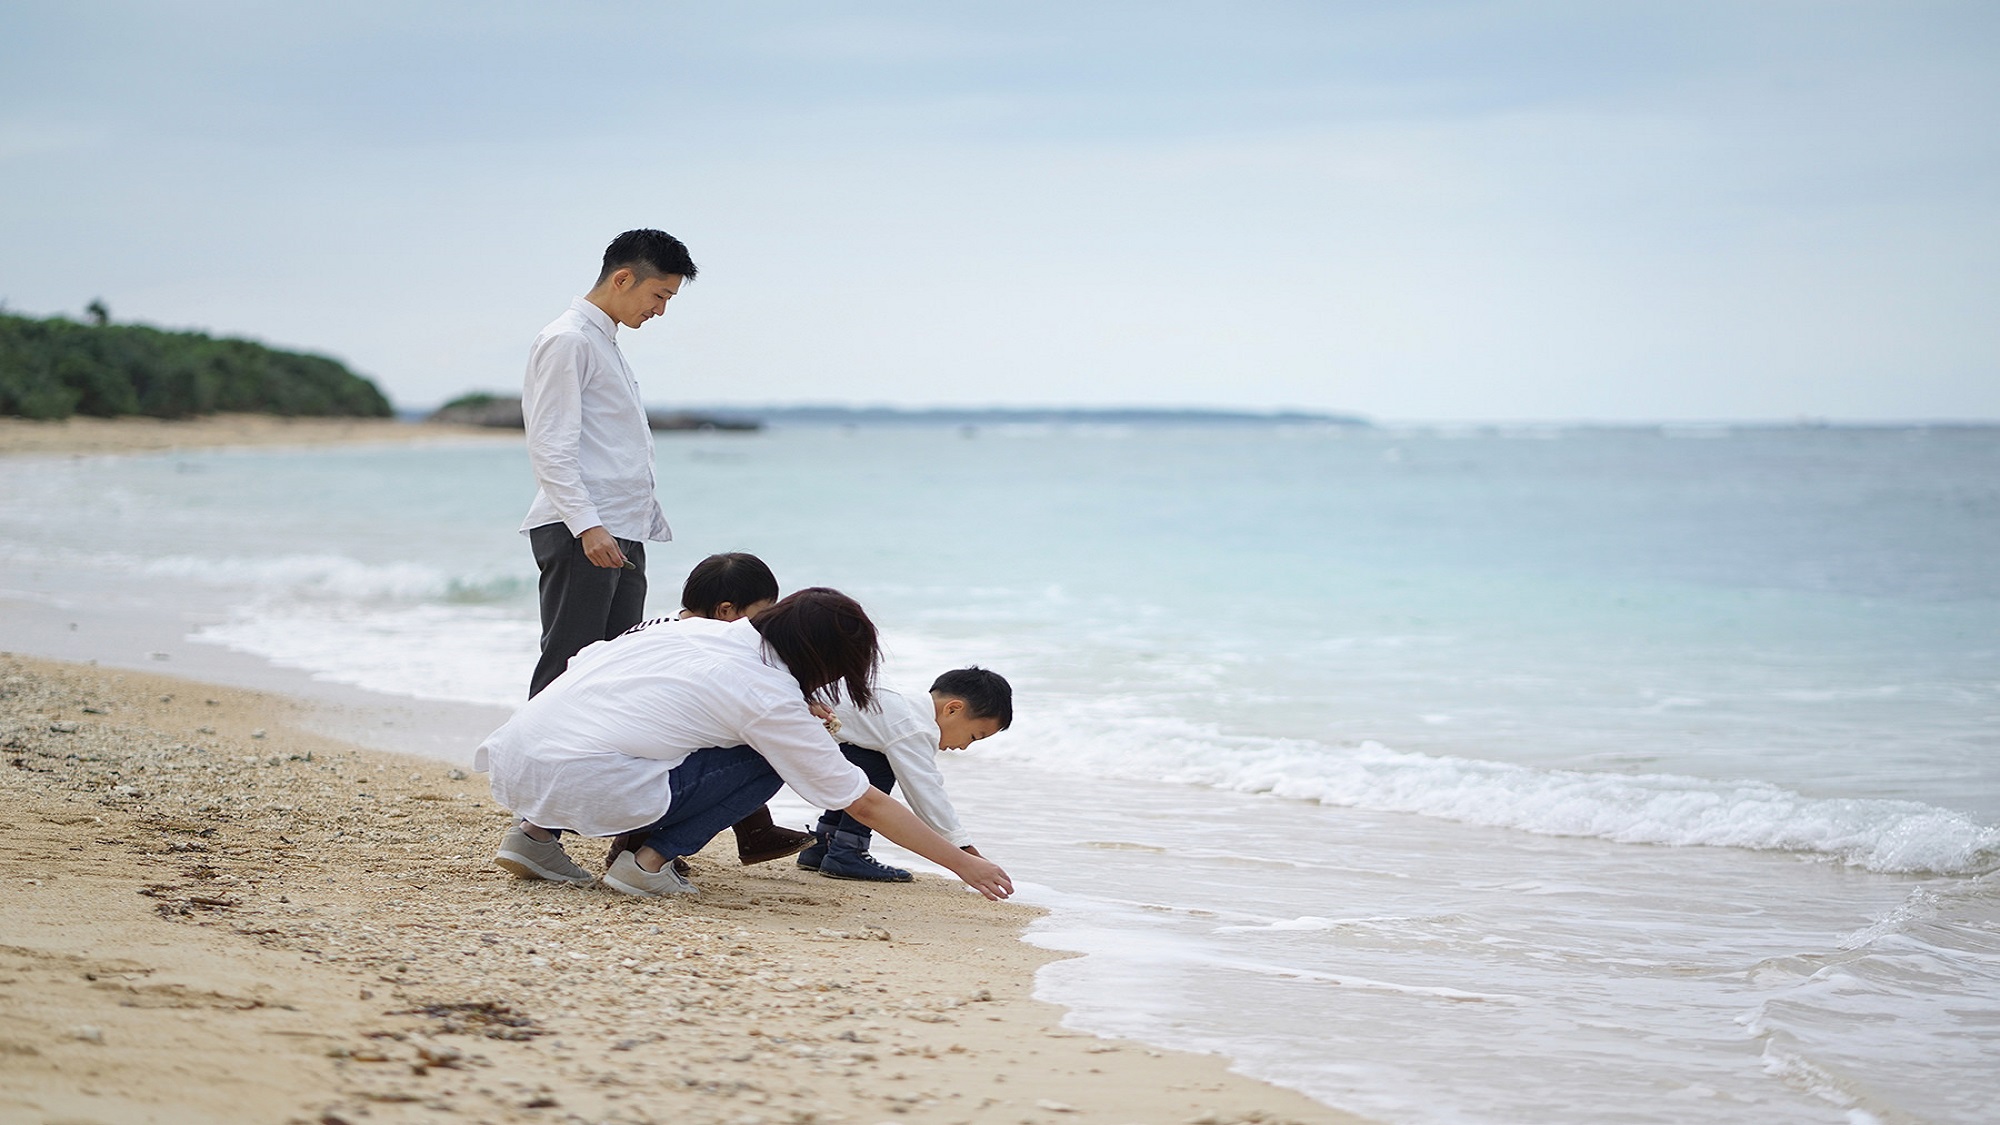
{"type": "Point", "coordinates": [493, 412]}
{"type": "Point", "coordinates": [499, 412]}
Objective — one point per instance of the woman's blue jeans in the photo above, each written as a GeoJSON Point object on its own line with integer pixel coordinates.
{"type": "Point", "coordinates": [710, 791]}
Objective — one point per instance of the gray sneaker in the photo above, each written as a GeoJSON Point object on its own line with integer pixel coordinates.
{"type": "Point", "coordinates": [627, 877]}
{"type": "Point", "coordinates": [528, 858]}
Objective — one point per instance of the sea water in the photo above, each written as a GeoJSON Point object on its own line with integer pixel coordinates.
{"type": "Point", "coordinates": [1509, 775]}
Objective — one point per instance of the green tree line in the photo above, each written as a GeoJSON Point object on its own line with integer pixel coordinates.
{"type": "Point", "coordinates": [56, 367]}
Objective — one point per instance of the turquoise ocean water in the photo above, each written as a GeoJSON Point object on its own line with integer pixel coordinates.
{"type": "Point", "coordinates": [1497, 775]}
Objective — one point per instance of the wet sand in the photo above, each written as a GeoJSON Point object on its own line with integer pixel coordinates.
{"type": "Point", "coordinates": [97, 436]}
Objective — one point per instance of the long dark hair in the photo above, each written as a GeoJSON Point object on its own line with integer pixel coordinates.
{"type": "Point", "coordinates": [826, 641]}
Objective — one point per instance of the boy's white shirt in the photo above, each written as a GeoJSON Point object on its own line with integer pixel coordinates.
{"type": "Point", "coordinates": [905, 730]}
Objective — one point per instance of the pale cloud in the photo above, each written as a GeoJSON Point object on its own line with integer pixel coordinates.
{"type": "Point", "coordinates": [1453, 210]}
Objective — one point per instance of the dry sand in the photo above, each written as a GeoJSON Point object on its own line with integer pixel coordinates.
{"type": "Point", "coordinates": [207, 915]}
{"type": "Point", "coordinates": [80, 435]}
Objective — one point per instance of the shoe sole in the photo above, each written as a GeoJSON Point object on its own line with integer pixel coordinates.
{"type": "Point", "coordinates": [624, 888]}
{"type": "Point", "coordinates": [681, 867]}
{"type": "Point", "coordinates": [521, 867]}
{"type": "Point", "coordinates": [766, 857]}
{"type": "Point", "coordinates": [905, 877]}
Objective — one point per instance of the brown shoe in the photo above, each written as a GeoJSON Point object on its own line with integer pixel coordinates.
{"type": "Point", "coordinates": [632, 842]}
{"type": "Point", "coordinates": [760, 840]}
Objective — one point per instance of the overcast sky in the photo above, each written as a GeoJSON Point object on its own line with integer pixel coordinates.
{"type": "Point", "coordinates": [1410, 210]}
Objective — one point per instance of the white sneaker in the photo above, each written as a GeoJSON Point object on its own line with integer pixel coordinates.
{"type": "Point", "coordinates": [528, 858]}
{"type": "Point", "coordinates": [627, 877]}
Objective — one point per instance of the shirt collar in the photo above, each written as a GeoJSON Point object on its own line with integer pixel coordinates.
{"type": "Point", "coordinates": [596, 316]}
{"type": "Point", "coordinates": [926, 716]}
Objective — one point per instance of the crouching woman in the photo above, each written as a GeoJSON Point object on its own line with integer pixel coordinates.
{"type": "Point", "coordinates": [677, 732]}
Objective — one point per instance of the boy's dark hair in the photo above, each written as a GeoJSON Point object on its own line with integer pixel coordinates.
{"type": "Point", "coordinates": [737, 578]}
{"type": "Point", "coordinates": [826, 641]}
{"type": "Point", "coordinates": [648, 253]}
{"type": "Point", "coordinates": [987, 694]}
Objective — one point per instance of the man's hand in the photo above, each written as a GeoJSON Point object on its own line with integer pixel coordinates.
{"type": "Point", "coordinates": [601, 549]}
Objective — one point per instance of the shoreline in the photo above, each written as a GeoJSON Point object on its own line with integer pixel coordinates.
{"type": "Point", "coordinates": [217, 915]}
{"type": "Point", "coordinates": [84, 436]}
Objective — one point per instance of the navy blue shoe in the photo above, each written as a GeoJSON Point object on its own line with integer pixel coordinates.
{"type": "Point", "coordinates": [853, 863]}
{"type": "Point", "coordinates": [813, 853]}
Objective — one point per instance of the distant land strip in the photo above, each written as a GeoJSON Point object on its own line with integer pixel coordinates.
{"type": "Point", "coordinates": [504, 412]}
{"type": "Point", "coordinates": [1030, 415]}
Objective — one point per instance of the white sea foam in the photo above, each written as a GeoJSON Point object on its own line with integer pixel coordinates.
{"type": "Point", "coordinates": [470, 654]}
{"type": "Point", "coordinates": [335, 577]}
{"type": "Point", "coordinates": [1877, 834]}
{"type": "Point", "coordinates": [1928, 968]}
{"type": "Point", "coordinates": [479, 654]}
{"type": "Point", "coordinates": [1306, 922]}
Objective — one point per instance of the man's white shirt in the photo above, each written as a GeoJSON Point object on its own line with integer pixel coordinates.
{"type": "Point", "coordinates": [905, 730]}
{"type": "Point", "coordinates": [588, 442]}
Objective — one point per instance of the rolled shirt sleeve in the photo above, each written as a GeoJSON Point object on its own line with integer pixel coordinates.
{"type": "Point", "coordinates": [805, 756]}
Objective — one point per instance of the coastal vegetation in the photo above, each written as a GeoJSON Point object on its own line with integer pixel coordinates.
{"type": "Point", "coordinates": [55, 367]}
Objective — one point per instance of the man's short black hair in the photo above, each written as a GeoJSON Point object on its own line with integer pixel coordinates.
{"type": "Point", "coordinates": [739, 578]}
{"type": "Point", "coordinates": [987, 694]}
{"type": "Point", "coordinates": [648, 253]}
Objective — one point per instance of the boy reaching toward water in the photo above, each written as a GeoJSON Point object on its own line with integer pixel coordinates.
{"type": "Point", "coordinates": [899, 740]}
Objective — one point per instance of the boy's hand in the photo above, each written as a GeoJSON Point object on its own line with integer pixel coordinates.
{"type": "Point", "coordinates": [888, 816]}
{"type": "Point", "coordinates": [985, 876]}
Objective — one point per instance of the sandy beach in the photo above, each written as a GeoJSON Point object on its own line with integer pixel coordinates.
{"type": "Point", "coordinates": [214, 916]}
{"type": "Point", "coordinates": [93, 436]}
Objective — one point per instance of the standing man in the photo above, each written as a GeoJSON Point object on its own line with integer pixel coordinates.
{"type": "Point", "coordinates": [592, 452]}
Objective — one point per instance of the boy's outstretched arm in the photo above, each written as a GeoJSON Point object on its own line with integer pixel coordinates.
{"type": "Point", "coordinates": [887, 815]}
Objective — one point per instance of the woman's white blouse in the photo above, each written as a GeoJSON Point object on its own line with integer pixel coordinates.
{"type": "Point", "coordinates": [591, 753]}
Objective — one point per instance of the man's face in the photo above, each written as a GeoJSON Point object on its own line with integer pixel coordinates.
{"type": "Point", "coordinates": [636, 300]}
{"type": "Point", "coordinates": [957, 729]}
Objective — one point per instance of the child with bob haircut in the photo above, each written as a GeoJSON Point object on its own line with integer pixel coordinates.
{"type": "Point", "coordinates": [898, 740]}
